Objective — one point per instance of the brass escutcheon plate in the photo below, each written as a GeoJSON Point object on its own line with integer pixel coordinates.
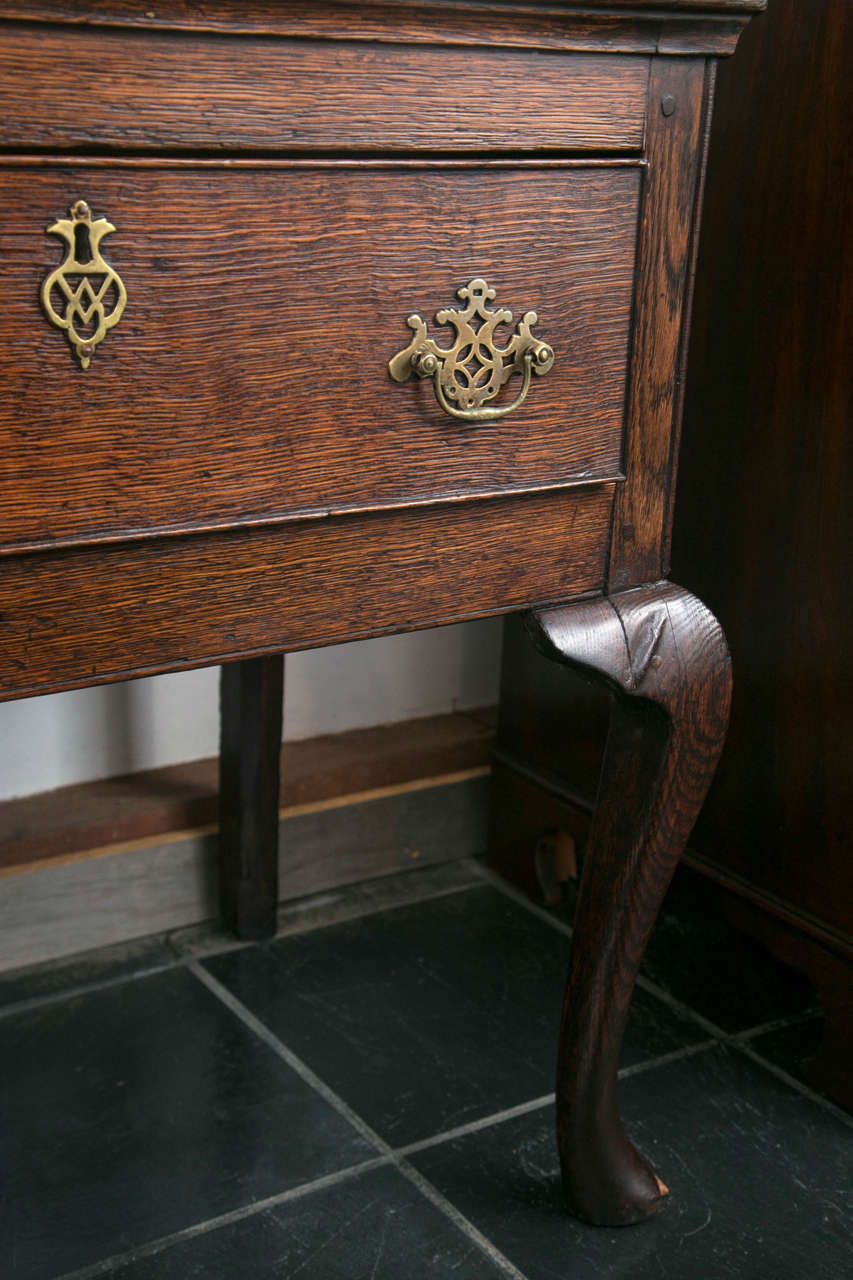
{"type": "Point", "coordinates": [84, 295]}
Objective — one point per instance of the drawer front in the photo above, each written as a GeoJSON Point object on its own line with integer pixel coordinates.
{"type": "Point", "coordinates": [89, 614]}
{"type": "Point", "coordinates": [71, 89]}
{"type": "Point", "coordinates": [247, 379]}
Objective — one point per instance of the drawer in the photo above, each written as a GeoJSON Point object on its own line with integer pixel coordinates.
{"type": "Point", "coordinates": [70, 89]}
{"type": "Point", "coordinates": [86, 614]}
{"type": "Point", "coordinates": [247, 380]}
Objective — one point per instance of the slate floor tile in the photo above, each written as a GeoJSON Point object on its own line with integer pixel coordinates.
{"type": "Point", "coordinates": [106, 964]}
{"type": "Point", "coordinates": [373, 1227]}
{"type": "Point", "coordinates": [791, 1047]}
{"type": "Point", "coordinates": [759, 1177]}
{"type": "Point", "coordinates": [346, 902]}
{"type": "Point", "coordinates": [137, 1110]}
{"type": "Point", "coordinates": [728, 977]}
{"type": "Point", "coordinates": [432, 1015]}
{"type": "Point", "coordinates": [695, 955]}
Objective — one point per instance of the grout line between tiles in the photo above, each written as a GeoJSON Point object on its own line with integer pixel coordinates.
{"type": "Point", "coordinates": [509, 891]}
{"type": "Point", "coordinates": [387, 1156]}
{"type": "Point", "coordinates": [678, 1006]}
{"type": "Point", "coordinates": [546, 1099]}
{"type": "Point", "coordinates": [372, 909]}
{"type": "Point", "coordinates": [287, 928]}
{"type": "Point", "coordinates": [87, 988]}
{"type": "Point", "coordinates": [675, 1055]}
{"type": "Point", "coordinates": [777, 1024]}
{"type": "Point", "coordinates": [402, 1166]}
{"type": "Point", "coordinates": [280, 1048]}
{"type": "Point", "coordinates": [781, 1074]}
{"type": "Point", "coordinates": [153, 1247]}
{"type": "Point", "coordinates": [474, 1126]}
{"type": "Point", "coordinates": [395, 1157]}
{"type": "Point", "coordinates": [450, 1211]}
{"type": "Point", "coordinates": [735, 1040]}
{"type": "Point", "coordinates": [222, 946]}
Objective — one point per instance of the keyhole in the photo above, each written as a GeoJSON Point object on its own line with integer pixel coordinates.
{"type": "Point", "coordinates": [82, 248]}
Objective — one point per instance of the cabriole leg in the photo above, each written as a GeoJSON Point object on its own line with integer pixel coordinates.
{"type": "Point", "coordinates": [664, 657]}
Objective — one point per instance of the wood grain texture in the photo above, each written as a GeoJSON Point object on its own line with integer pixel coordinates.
{"type": "Point", "coordinates": [155, 90]}
{"type": "Point", "coordinates": [829, 965]}
{"type": "Point", "coordinates": [629, 27]}
{"type": "Point", "coordinates": [664, 657]}
{"type": "Point", "coordinates": [67, 823]}
{"type": "Point", "coordinates": [171, 884]}
{"type": "Point", "coordinates": [246, 386]}
{"type": "Point", "coordinates": [764, 522]}
{"type": "Point", "coordinates": [247, 379]}
{"type": "Point", "coordinates": [72, 908]}
{"type": "Point", "coordinates": [663, 263]}
{"type": "Point", "coordinates": [82, 617]}
{"type": "Point", "coordinates": [251, 699]}
{"type": "Point", "coordinates": [537, 698]}
{"type": "Point", "coordinates": [698, 36]}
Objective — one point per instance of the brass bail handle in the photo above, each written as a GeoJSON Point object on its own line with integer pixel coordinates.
{"type": "Point", "coordinates": [472, 371]}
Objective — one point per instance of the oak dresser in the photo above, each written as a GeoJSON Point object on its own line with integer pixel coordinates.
{"type": "Point", "coordinates": [327, 321]}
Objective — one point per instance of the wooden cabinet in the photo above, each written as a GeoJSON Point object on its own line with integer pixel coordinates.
{"type": "Point", "coordinates": [763, 528]}
{"type": "Point", "coordinates": [248, 379]}
{"type": "Point", "coordinates": [213, 448]}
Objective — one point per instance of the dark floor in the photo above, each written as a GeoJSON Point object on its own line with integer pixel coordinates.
{"type": "Point", "coordinates": [370, 1096]}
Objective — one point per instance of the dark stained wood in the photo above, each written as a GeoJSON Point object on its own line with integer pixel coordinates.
{"type": "Point", "coordinates": [763, 527]}
{"type": "Point", "coordinates": [663, 262]}
{"type": "Point", "coordinates": [240, 93]}
{"type": "Point", "coordinates": [695, 26]}
{"type": "Point", "coordinates": [82, 617]}
{"type": "Point", "coordinates": [549, 748]}
{"type": "Point", "coordinates": [248, 377]}
{"type": "Point", "coordinates": [700, 36]}
{"type": "Point", "coordinates": [669, 510]}
{"type": "Point", "coordinates": [665, 659]}
{"type": "Point", "coordinates": [764, 524]}
{"type": "Point", "coordinates": [72, 822]}
{"type": "Point", "coordinates": [515, 847]}
{"type": "Point", "coordinates": [536, 698]}
{"type": "Point", "coordinates": [251, 701]}
{"type": "Point", "coordinates": [246, 386]}
{"type": "Point", "coordinates": [828, 961]}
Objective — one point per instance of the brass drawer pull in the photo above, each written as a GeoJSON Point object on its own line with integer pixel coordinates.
{"type": "Point", "coordinates": [90, 295]}
{"type": "Point", "coordinates": [475, 368]}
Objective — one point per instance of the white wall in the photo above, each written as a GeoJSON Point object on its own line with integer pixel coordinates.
{"type": "Point", "coordinates": [95, 733]}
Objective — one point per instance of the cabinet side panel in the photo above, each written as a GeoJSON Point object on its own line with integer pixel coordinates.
{"type": "Point", "coordinates": [676, 101]}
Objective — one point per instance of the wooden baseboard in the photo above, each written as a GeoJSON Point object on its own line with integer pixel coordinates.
{"type": "Point", "coordinates": [529, 799]}
{"type": "Point", "coordinates": [103, 863]}
{"type": "Point", "coordinates": [94, 819]}
{"type": "Point", "coordinates": [169, 882]}
{"type": "Point", "coordinates": [770, 904]}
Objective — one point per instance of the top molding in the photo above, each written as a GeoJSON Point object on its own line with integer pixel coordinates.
{"type": "Point", "coordinates": [615, 26]}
